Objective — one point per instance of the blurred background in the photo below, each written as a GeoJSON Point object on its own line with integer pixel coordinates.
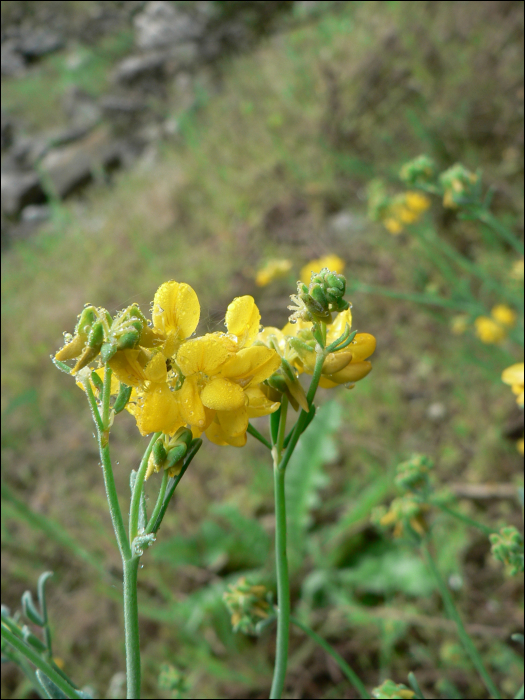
{"type": "Point", "coordinates": [196, 141]}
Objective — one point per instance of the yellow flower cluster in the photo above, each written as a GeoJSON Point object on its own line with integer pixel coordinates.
{"type": "Point", "coordinates": [274, 269]}
{"type": "Point", "coordinates": [494, 328]}
{"type": "Point", "coordinates": [514, 377]}
{"type": "Point", "coordinates": [404, 209]}
{"type": "Point", "coordinates": [211, 383]}
{"type": "Point", "coordinates": [296, 344]}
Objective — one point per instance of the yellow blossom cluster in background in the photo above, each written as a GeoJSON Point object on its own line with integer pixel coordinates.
{"type": "Point", "coordinates": [514, 377]}
{"type": "Point", "coordinates": [404, 209]}
{"type": "Point", "coordinates": [331, 261]}
{"type": "Point", "coordinates": [517, 271]}
{"type": "Point", "coordinates": [272, 270]}
{"type": "Point", "coordinates": [494, 328]}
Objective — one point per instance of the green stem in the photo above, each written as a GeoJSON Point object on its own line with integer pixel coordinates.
{"type": "Point", "coordinates": [39, 662]}
{"type": "Point", "coordinates": [474, 309]}
{"type": "Point", "coordinates": [465, 639]}
{"type": "Point", "coordinates": [257, 435]}
{"type": "Point", "coordinates": [465, 519]}
{"type": "Point", "coordinates": [137, 490]}
{"type": "Point", "coordinates": [131, 627]}
{"type": "Point", "coordinates": [345, 668]}
{"type": "Point", "coordinates": [487, 218]}
{"type": "Point", "coordinates": [283, 584]}
{"type": "Point", "coordinates": [114, 507]}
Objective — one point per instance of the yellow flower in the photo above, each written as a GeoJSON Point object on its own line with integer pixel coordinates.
{"type": "Point", "coordinates": [222, 373]}
{"type": "Point", "coordinates": [405, 208]}
{"type": "Point", "coordinates": [392, 225]}
{"type": "Point", "coordinates": [516, 272]}
{"type": "Point", "coordinates": [343, 366]}
{"type": "Point", "coordinates": [513, 376]}
{"type": "Point", "coordinates": [271, 271]}
{"type": "Point", "coordinates": [459, 324]}
{"type": "Point", "coordinates": [175, 313]}
{"type": "Point", "coordinates": [504, 315]}
{"type": "Point", "coordinates": [488, 331]}
{"type": "Point", "coordinates": [333, 262]}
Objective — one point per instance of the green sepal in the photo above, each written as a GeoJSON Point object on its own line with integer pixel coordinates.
{"type": "Point", "coordinates": [129, 340]}
{"type": "Point", "coordinates": [341, 344]}
{"type": "Point", "coordinates": [288, 370]}
{"type": "Point", "coordinates": [61, 365]}
{"type": "Point", "coordinates": [122, 399]}
{"type": "Point", "coordinates": [337, 281]}
{"type": "Point", "coordinates": [97, 381]}
{"type": "Point", "coordinates": [96, 335]}
{"type": "Point", "coordinates": [277, 381]}
{"type": "Point", "coordinates": [108, 350]}
{"type": "Point", "coordinates": [30, 611]}
{"type": "Point", "coordinates": [318, 334]}
{"type": "Point", "coordinates": [317, 293]}
{"type": "Point", "coordinates": [49, 688]}
{"type": "Point", "coordinates": [300, 346]}
{"type": "Point", "coordinates": [41, 592]}
{"type": "Point", "coordinates": [86, 320]}
{"type": "Point", "coordinates": [175, 455]}
{"type": "Point", "coordinates": [183, 435]}
{"type": "Point", "coordinates": [159, 453]}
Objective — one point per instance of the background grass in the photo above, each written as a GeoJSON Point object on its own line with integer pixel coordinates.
{"type": "Point", "coordinates": [275, 162]}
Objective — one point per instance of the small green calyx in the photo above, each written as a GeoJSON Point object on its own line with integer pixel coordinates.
{"type": "Point", "coordinates": [168, 453]}
{"type": "Point", "coordinates": [249, 605]}
{"type": "Point", "coordinates": [390, 690]}
{"type": "Point", "coordinates": [419, 171]}
{"type": "Point", "coordinates": [507, 547]}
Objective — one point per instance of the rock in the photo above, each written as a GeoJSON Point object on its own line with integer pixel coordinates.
{"type": "Point", "coordinates": [12, 60]}
{"type": "Point", "coordinates": [164, 25]}
{"type": "Point", "coordinates": [19, 190]}
{"type": "Point", "coordinates": [134, 68]}
{"type": "Point", "coordinates": [69, 168]}
{"type": "Point", "coordinates": [36, 213]}
{"type": "Point", "coordinates": [81, 108]}
{"type": "Point", "coordinates": [119, 104]}
{"type": "Point", "coordinates": [39, 42]}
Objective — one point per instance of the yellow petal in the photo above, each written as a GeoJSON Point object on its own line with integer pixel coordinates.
{"type": "Point", "coordinates": [274, 334]}
{"type": "Point", "coordinates": [504, 314]}
{"type": "Point", "coordinates": [351, 373]}
{"type": "Point", "coordinates": [258, 403]}
{"type": "Point", "coordinates": [336, 361]}
{"type": "Point", "coordinates": [216, 434]}
{"type": "Point", "coordinates": [127, 368]}
{"type": "Point", "coordinates": [253, 364]}
{"type": "Point", "coordinates": [221, 394]}
{"type": "Point", "coordinates": [155, 370]}
{"type": "Point", "coordinates": [204, 354]}
{"type": "Point", "coordinates": [176, 308]}
{"type": "Point", "coordinates": [300, 325]}
{"type": "Point", "coordinates": [191, 406]}
{"type": "Point", "coordinates": [157, 409]}
{"type": "Point", "coordinates": [243, 320]}
{"type": "Point", "coordinates": [514, 374]}
{"type": "Point", "coordinates": [233, 423]}
{"type": "Point", "coordinates": [337, 328]}
{"type": "Point", "coordinates": [362, 346]}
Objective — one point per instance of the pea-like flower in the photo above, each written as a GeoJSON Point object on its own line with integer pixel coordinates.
{"type": "Point", "coordinates": [493, 329]}
{"type": "Point", "coordinates": [222, 372]}
{"type": "Point", "coordinates": [514, 377]}
{"type": "Point", "coordinates": [272, 270]}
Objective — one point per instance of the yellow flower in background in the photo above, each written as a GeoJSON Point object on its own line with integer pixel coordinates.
{"type": "Point", "coordinates": [504, 315]}
{"type": "Point", "coordinates": [271, 271]}
{"type": "Point", "coordinates": [459, 324]}
{"type": "Point", "coordinates": [517, 270]}
{"type": "Point", "coordinates": [514, 377]}
{"type": "Point", "coordinates": [494, 329]}
{"type": "Point", "coordinates": [332, 262]}
{"type": "Point", "coordinates": [404, 209]}
{"type": "Point", "coordinates": [488, 331]}
{"type": "Point", "coordinates": [520, 446]}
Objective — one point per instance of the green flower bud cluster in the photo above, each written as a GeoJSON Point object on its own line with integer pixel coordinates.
{"type": "Point", "coordinates": [168, 453]}
{"type": "Point", "coordinates": [419, 171]}
{"type": "Point", "coordinates": [173, 681]}
{"type": "Point", "coordinates": [460, 186]}
{"type": "Point", "coordinates": [507, 547]}
{"type": "Point", "coordinates": [320, 299]}
{"type": "Point", "coordinates": [390, 690]}
{"type": "Point", "coordinates": [413, 475]}
{"type": "Point", "coordinates": [98, 334]}
{"type": "Point", "coordinates": [248, 605]}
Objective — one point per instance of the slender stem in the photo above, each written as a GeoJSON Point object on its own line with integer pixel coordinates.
{"type": "Point", "coordinates": [487, 218]}
{"type": "Point", "coordinates": [465, 519]}
{"type": "Point", "coordinates": [106, 395]}
{"type": "Point", "coordinates": [519, 694]}
{"type": "Point", "coordinates": [160, 497]}
{"type": "Point", "coordinates": [114, 507]}
{"type": "Point", "coordinates": [277, 449]}
{"type": "Point", "coordinates": [131, 627]}
{"type": "Point", "coordinates": [476, 309]}
{"type": "Point", "coordinates": [137, 490]}
{"type": "Point", "coordinates": [39, 662]}
{"type": "Point", "coordinates": [345, 668]}
{"type": "Point", "coordinates": [93, 406]}
{"type": "Point", "coordinates": [465, 639]}
{"type": "Point", "coordinates": [257, 435]}
{"type": "Point", "coordinates": [283, 585]}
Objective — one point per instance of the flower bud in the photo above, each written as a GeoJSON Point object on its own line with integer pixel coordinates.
{"type": "Point", "coordinates": [159, 454]}
{"type": "Point", "coordinates": [108, 350]}
{"type": "Point", "coordinates": [96, 336]}
{"type": "Point", "coordinates": [129, 340]}
{"type": "Point", "coordinates": [122, 399]}
{"type": "Point", "coordinates": [335, 362]}
{"type": "Point", "coordinates": [174, 459]}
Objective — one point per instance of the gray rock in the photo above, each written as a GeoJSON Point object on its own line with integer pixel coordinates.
{"type": "Point", "coordinates": [134, 68]}
{"type": "Point", "coordinates": [69, 168]}
{"type": "Point", "coordinates": [19, 190]}
{"type": "Point", "coordinates": [36, 213]}
{"type": "Point", "coordinates": [39, 42]}
{"type": "Point", "coordinates": [164, 25]}
{"type": "Point", "coordinates": [12, 60]}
